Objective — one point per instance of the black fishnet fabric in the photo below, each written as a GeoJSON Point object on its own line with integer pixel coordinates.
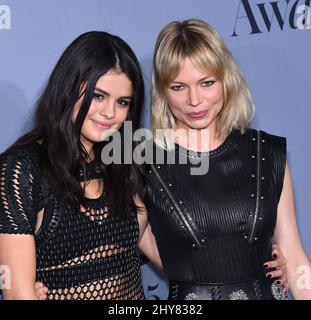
{"type": "Point", "coordinates": [82, 251]}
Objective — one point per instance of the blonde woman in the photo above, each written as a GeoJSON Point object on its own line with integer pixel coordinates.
{"type": "Point", "coordinates": [215, 230]}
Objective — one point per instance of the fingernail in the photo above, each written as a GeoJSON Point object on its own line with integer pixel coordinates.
{"type": "Point", "coordinates": [266, 266]}
{"type": "Point", "coordinates": [274, 256]}
{"type": "Point", "coordinates": [269, 275]}
{"type": "Point", "coordinates": [278, 282]}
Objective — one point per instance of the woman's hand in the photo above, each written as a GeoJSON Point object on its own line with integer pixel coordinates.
{"type": "Point", "coordinates": [277, 267]}
{"type": "Point", "coordinates": [41, 291]}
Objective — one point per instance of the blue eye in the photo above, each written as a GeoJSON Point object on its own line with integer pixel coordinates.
{"type": "Point", "coordinates": [124, 103]}
{"type": "Point", "coordinates": [208, 83]}
{"type": "Point", "coordinates": [177, 87]}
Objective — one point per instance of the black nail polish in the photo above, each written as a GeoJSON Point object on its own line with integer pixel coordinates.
{"type": "Point", "coordinates": [274, 256]}
{"type": "Point", "coordinates": [266, 266]}
{"type": "Point", "coordinates": [278, 282]}
{"type": "Point", "coordinates": [269, 276]}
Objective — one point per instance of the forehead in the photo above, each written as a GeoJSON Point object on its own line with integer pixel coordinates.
{"type": "Point", "coordinates": [191, 70]}
{"type": "Point", "coordinates": [115, 82]}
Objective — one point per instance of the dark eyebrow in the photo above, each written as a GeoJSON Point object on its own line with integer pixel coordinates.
{"type": "Point", "coordinates": [107, 94]}
{"type": "Point", "coordinates": [101, 91]}
{"type": "Point", "coordinates": [205, 78]}
{"type": "Point", "coordinates": [126, 97]}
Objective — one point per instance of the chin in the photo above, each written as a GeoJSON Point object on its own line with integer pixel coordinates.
{"type": "Point", "coordinates": [93, 138]}
{"type": "Point", "coordinates": [198, 126]}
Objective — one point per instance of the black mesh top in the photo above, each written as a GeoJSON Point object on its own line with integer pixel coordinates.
{"type": "Point", "coordinates": [218, 227]}
{"type": "Point", "coordinates": [82, 251]}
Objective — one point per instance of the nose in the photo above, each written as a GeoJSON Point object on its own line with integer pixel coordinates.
{"type": "Point", "coordinates": [108, 110]}
{"type": "Point", "coordinates": [194, 98]}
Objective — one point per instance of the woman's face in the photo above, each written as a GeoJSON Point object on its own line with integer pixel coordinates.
{"type": "Point", "coordinates": [195, 98]}
{"type": "Point", "coordinates": [109, 107]}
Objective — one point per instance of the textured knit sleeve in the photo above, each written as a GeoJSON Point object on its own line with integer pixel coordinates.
{"type": "Point", "coordinates": [17, 214]}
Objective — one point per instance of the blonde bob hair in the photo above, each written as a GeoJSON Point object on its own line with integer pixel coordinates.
{"type": "Point", "coordinates": [198, 41]}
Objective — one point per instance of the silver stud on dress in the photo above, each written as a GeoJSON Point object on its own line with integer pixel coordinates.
{"type": "Point", "coordinates": [238, 295]}
{"type": "Point", "coordinates": [192, 296]}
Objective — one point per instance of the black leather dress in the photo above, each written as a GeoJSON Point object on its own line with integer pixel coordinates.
{"type": "Point", "coordinates": [214, 230]}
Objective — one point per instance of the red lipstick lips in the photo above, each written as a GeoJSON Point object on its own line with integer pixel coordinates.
{"type": "Point", "coordinates": [197, 115]}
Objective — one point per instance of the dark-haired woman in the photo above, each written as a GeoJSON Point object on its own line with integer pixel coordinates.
{"type": "Point", "coordinates": [66, 219]}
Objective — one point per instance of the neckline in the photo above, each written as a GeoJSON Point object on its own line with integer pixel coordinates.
{"type": "Point", "coordinates": [99, 200]}
{"type": "Point", "coordinates": [212, 153]}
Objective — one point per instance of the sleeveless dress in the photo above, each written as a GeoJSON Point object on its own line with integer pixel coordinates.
{"type": "Point", "coordinates": [215, 230]}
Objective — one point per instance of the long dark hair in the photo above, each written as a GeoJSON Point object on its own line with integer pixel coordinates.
{"type": "Point", "coordinates": [84, 61]}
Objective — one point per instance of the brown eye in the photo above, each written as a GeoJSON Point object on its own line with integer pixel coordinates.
{"type": "Point", "coordinates": [124, 103]}
{"type": "Point", "coordinates": [98, 96]}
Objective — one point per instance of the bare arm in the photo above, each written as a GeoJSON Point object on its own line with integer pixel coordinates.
{"type": "Point", "coordinates": [18, 253]}
{"type": "Point", "coordinates": [149, 248]}
{"type": "Point", "coordinates": [147, 243]}
{"type": "Point", "coordinates": [17, 216]}
{"type": "Point", "coordinates": [142, 216]}
{"type": "Point", "coordinates": [287, 236]}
